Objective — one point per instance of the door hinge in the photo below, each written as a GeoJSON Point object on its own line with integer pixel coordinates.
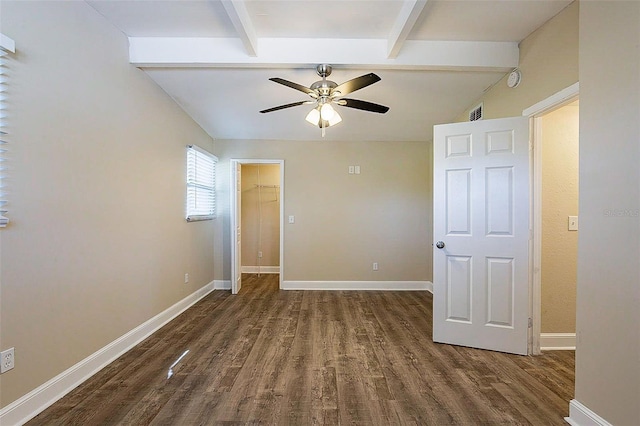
{"type": "Point", "coordinates": [530, 323]}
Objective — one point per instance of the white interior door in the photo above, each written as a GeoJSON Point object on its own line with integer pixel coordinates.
{"type": "Point", "coordinates": [481, 234]}
{"type": "Point", "coordinates": [236, 229]}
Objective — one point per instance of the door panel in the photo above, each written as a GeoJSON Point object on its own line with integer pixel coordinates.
{"type": "Point", "coordinates": [500, 288]}
{"type": "Point", "coordinates": [458, 202]}
{"type": "Point", "coordinates": [481, 214]}
{"type": "Point", "coordinates": [499, 200]}
{"type": "Point", "coordinates": [459, 288]}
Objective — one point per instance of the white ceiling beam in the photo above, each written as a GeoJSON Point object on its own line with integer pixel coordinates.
{"type": "Point", "coordinates": [411, 10]}
{"type": "Point", "coordinates": [354, 53]}
{"type": "Point", "coordinates": [237, 11]}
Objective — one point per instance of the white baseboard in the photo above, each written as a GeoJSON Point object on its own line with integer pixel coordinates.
{"type": "Point", "coordinates": [36, 401]}
{"type": "Point", "coordinates": [358, 285]}
{"type": "Point", "coordinates": [580, 415]}
{"type": "Point", "coordinates": [222, 284]}
{"type": "Point", "coordinates": [260, 269]}
{"type": "Point", "coordinates": [557, 341]}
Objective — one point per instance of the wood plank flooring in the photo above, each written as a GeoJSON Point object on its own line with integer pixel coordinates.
{"type": "Point", "coordinates": [275, 357]}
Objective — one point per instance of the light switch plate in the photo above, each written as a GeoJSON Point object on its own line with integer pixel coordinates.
{"type": "Point", "coordinates": [573, 223]}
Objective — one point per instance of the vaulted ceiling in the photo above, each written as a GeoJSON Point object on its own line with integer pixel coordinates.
{"type": "Point", "coordinates": [435, 58]}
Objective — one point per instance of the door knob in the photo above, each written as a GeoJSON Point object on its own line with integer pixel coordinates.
{"type": "Point", "coordinates": [440, 244]}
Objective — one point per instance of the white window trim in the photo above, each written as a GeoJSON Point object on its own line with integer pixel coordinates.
{"type": "Point", "coordinates": [192, 184]}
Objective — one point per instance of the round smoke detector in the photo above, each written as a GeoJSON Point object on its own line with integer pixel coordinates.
{"type": "Point", "coordinates": [514, 78]}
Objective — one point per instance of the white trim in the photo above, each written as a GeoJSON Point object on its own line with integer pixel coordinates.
{"type": "Point", "coordinates": [232, 208]}
{"type": "Point", "coordinates": [33, 403]}
{"type": "Point", "coordinates": [558, 341]}
{"type": "Point", "coordinates": [359, 285]}
{"type": "Point", "coordinates": [534, 112]}
{"type": "Point", "coordinates": [429, 287]}
{"type": "Point", "coordinates": [7, 43]}
{"type": "Point", "coordinates": [234, 216]}
{"type": "Point", "coordinates": [580, 415]}
{"type": "Point", "coordinates": [260, 269]}
{"type": "Point", "coordinates": [222, 284]}
{"type": "Point", "coordinates": [553, 101]}
{"type": "Point", "coordinates": [536, 249]}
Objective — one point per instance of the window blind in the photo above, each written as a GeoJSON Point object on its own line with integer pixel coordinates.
{"type": "Point", "coordinates": [7, 46]}
{"type": "Point", "coordinates": [201, 184]}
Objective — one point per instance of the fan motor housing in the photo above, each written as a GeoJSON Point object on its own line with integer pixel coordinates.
{"type": "Point", "coordinates": [324, 70]}
{"type": "Point", "coordinates": [323, 86]}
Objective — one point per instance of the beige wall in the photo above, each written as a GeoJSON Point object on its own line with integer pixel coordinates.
{"type": "Point", "coordinates": [548, 62]}
{"type": "Point", "coordinates": [608, 314]}
{"type": "Point", "coordinates": [260, 214]}
{"type": "Point", "coordinates": [97, 242]}
{"type": "Point", "coordinates": [559, 200]}
{"type": "Point", "coordinates": [343, 222]}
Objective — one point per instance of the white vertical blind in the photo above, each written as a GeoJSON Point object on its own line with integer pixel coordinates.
{"type": "Point", "coordinates": [201, 184]}
{"type": "Point", "coordinates": [7, 46]}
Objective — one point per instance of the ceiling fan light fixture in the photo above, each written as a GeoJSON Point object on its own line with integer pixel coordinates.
{"type": "Point", "coordinates": [314, 116]}
{"type": "Point", "coordinates": [326, 111]}
{"type": "Point", "coordinates": [335, 119]}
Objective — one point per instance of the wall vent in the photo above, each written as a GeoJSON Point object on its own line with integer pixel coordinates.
{"type": "Point", "coordinates": [476, 113]}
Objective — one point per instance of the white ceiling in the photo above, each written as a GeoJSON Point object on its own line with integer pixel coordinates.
{"type": "Point", "coordinates": [215, 58]}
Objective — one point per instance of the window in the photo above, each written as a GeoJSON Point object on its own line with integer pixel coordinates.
{"type": "Point", "coordinates": [7, 47]}
{"type": "Point", "coordinates": [201, 184]}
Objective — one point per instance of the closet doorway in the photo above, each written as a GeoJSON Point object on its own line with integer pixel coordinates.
{"type": "Point", "coordinates": [256, 219]}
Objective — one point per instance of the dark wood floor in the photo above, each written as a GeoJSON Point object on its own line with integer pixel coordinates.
{"type": "Point", "coordinates": [315, 357]}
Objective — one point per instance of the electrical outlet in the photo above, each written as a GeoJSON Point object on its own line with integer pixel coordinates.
{"type": "Point", "coordinates": [375, 266]}
{"type": "Point", "coordinates": [186, 278]}
{"type": "Point", "coordinates": [7, 360]}
{"type": "Point", "coordinates": [259, 254]}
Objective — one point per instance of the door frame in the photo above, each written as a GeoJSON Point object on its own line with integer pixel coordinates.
{"type": "Point", "coordinates": [535, 113]}
{"type": "Point", "coordinates": [233, 213]}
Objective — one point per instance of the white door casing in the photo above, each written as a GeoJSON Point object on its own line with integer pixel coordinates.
{"type": "Point", "coordinates": [236, 229]}
{"type": "Point", "coordinates": [481, 214]}
{"type": "Point", "coordinates": [235, 218]}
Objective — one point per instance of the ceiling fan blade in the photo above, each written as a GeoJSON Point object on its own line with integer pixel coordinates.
{"type": "Point", "coordinates": [286, 106]}
{"type": "Point", "coordinates": [296, 86]}
{"type": "Point", "coordinates": [363, 105]}
{"type": "Point", "coordinates": [355, 84]}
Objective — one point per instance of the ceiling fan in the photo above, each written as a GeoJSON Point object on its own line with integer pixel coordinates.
{"type": "Point", "coordinates": [325, 92]}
